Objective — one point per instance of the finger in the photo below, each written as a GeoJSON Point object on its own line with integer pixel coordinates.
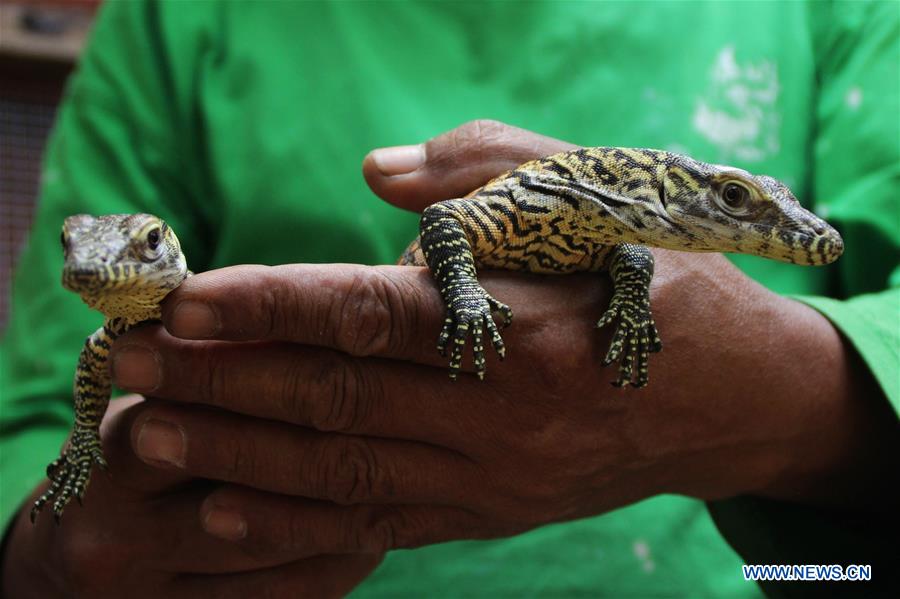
{"type": "Point", "coordinates": [127, 472]}
{"type": "Point", "coordinates": [280, 525]}
{"type": "Point", "coordinates": [328, 390]}
{"type": "Point", "coordinates": [385, 311]}
{"type": "Point", "coordinates": [453, 163]}
{"type": "Point", "coordinates": [312, 387]}
{"type": "Point", "coordinates": [322, 576]}
{"type": "Point", "coordinates": [112, 532]}
{"type": "Point", "coordinates": [198, 540]}
{"type": "Point", "coordinates": [281, 458]}
{"type": "Point", "coordinates": [123, 507]}
{"type": "Point", "coordinates": [359, 310]}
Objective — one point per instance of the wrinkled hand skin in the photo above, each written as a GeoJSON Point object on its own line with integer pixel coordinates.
{"type": "Point", "coordinates": [313, 397]}
{"type": "Point", "coordinates": [138, 535]}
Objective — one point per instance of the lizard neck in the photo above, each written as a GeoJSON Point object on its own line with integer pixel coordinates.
{"type": "Point", "coordinates": [616, 195]}
{"type": "Point", "coordinates": [117, 326]}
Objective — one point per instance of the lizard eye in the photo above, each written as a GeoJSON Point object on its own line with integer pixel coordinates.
{"type": "Point", "coordinates": [151, 247]}
{"type": "Point", "coordinates": [153, 239]}
{"type": "Point", "coordinates": [735, 198]}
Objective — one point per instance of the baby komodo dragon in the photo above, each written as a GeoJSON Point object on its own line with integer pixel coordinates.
{"type": "Point", "coordinates": [596, 209]}
{"type": "Point", "coordinates": [122, 265]}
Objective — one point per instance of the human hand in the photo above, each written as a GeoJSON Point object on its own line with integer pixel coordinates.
{"type": "Point", "coordinates": [138, 535]}
{"type": "Point", "coordinates": [339, 430]}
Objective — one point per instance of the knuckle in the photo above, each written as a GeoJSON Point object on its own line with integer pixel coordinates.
{"type": "Point", "coordinates": [374, 315]}
{"type": "Point", "coordinates": [364, 317]}
{"type": "Point", "coordinates": [473, 139]}
{"type": "Point", "coordinates": [289, 535]}
{"type": "Point", "coordinates": [481, 131]}
{"type": "Point", "coordinates": [348, 391]}
{"type": "Point", "coordinates": [383, 529]}
{"type": "Point", "coordinates": [277, 304]}
{"type": "Point", "coordinates": [236, 458]}
{"type": "Point", "coordinates": [268, 304]}
{"type": "Point", "coordinates": [295, 385]}
{"type": "Point", "coordinates": [280, 302]}
{"type": "Point", "coordinates": [216, 378]}
{"type": "Point", "coordinates": [349, 474]}
{"type": "Point", "coordinates": [389, 527]}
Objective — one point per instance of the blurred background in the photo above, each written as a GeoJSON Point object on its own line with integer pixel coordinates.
{"type": "Point", "coordinates": [39, 45]}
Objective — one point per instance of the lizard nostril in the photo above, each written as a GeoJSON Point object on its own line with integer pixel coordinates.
{"type": "Point", "coordinates": [819, 228]}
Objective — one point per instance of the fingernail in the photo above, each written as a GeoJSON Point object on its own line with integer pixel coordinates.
{"type": "Point", "coordinates": [162, 442]}
{"type": "Point", "coordinates": [136, 368]}
{"type": "Point", "coordinates": [225, 523]}
{"type": "Point", "coordinates": [399, 160]}
{"type": "Point", "coordinates": [194, 320]}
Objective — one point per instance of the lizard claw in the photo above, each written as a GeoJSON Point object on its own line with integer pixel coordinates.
{"type": "Point", "coordinates": [472, 312]}
{"type": "Point", "coordinates": [71, 473]}
{"type": "Point", "coordinates": [635, 337]}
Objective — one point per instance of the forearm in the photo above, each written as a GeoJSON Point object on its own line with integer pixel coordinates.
{"type": "Point", "coordinates": [842, 448]}
{"type": "Point", "coordinates": [775, 401]}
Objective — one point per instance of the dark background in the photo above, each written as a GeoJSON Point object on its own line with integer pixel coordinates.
{"type": "Point", "coordinates": [39, 45]}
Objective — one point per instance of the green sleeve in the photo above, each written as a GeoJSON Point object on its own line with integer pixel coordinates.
{"type": "Point", "coordinates": [856, 177]}
{"type": "Point", "coordinates": [871, 322]}
{"type": "Point", "coordinates": [112, 150]}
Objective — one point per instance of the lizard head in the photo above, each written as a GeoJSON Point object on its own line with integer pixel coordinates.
{"type": "Point", "coordinates": [121, 264]}
{"type": "Point", "coordinates": [727, 209]}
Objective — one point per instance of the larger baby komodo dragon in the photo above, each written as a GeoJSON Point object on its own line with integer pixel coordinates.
{"type": "Point", "coordinates": [122, 265]}
{"type": "Point", "coordinates": [595, 209]}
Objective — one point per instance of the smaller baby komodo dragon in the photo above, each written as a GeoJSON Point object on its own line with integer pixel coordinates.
{"type": "Point", "coordinates": [122, 265]}
{"type": "Point", "coordinates": [596, 210]}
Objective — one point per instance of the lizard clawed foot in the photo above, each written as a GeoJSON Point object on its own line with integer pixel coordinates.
{"type": "Point", "coordinates": [472, 311]}
{"type": "Point", "coordinates": [635, 337]}
{"type": "Point", "coordinates": [70, 473]}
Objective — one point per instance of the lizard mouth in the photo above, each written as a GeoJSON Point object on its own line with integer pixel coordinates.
{"type": "Point", "coordinates": [812, 249]}
{"type": "Point", "coordinates": [818, 243]}
{"type": "Point", "coordinates": [826, 248]}
{"type": "Point", "coordinates": [82, 278]}
{"type": "Point", "coordinates": [90, 280]}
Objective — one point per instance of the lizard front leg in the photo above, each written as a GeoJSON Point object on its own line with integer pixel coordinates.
{"type": "Point", "coordinates": [631, 269]}
{"type": "Point", "coordinates": [470, 308]}
{"type": "Point", "coordinates": [70, 473]}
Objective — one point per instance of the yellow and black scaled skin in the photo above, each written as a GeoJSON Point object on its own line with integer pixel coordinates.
{"type": "Point", "coordinates": [122, 265]}
{"type": "Point", "coordinates": [597, 210]}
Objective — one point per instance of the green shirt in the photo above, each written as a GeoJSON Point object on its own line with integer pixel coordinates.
{"type": "Point", "coordinates": [244, 125]}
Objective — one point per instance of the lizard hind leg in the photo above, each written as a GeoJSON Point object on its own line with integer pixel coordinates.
{"type": "Point", "coordinates": [636, 336]}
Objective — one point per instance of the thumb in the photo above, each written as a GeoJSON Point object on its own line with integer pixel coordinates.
{"type": "Point", "coordinates": [453, 163]}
